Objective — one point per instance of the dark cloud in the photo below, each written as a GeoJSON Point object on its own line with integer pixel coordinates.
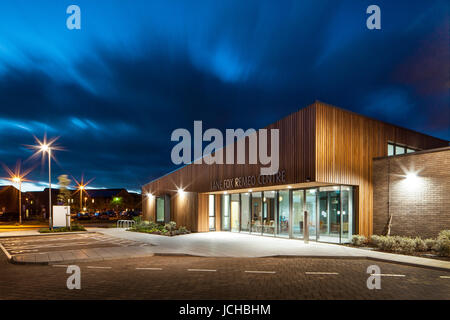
{"type": "Point", "coordinates": [231, 65]}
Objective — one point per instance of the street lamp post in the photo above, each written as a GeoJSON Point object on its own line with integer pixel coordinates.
{"type": "Point", "coordinates": [46, 146]}
{"type": "Point", "coordinates": [19, 181]}
{"type": "Point", "coordinates": [50, 211]}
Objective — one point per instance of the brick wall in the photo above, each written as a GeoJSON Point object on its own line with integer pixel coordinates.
{"type": "Point", "coordinates": [420, 206]}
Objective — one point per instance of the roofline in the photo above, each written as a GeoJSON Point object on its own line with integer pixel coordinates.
{"type": "Point", "coordinates": [303, 108]}
{"type": "Point", "coordinates": [385, 122]}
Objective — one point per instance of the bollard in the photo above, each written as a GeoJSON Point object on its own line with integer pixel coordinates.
{"type": "Point", "coordinates": [305, 227]}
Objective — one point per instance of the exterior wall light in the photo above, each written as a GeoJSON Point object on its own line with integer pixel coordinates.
{"type": "Point", "coordinates": [180, 192]}
{"type": "Point", "coordinates": [411, 177]}
{"type": "Point", "coordinates": [250, 190]}
{"type": "Point", "coordinates": [289, 187]}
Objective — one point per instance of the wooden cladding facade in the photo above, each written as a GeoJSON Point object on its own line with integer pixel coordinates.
{"type": "Point", "coordinates": [347, 142]}
{"type": "Point", "coordinates": [319, 144]}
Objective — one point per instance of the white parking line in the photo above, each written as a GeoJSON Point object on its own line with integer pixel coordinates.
{"type": "Point", "coordinates": [202, 270]}
{"type": "Point", "coordinates": [444, 277]}
{"type": "Point", "coordinates": [320, 273]}
{"type": "Point", "coordinates": [256, 271]}
{"type": "Point", "coordinates": [92, 267]}
{"type": "Point", "coordinates": [148, 268]}
{"type": "Point", "coordinates": [388, 275]}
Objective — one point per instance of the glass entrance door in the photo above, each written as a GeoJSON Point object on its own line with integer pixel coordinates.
{"type": "Point", "coordinates": [329, 214]}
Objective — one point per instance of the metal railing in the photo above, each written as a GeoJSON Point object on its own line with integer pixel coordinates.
{"type": "Point", "coordinates": [125, 223]}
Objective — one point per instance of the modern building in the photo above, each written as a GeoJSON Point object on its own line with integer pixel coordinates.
{"type": "Point", "coordinates": [326, 169]}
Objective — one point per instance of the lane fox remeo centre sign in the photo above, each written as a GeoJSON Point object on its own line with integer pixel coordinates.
{"type": "Point", "coordinates": [249, 181]}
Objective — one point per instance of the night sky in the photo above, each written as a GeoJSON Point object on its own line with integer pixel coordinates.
{"type": "Point", "coordinates": [116, 89]}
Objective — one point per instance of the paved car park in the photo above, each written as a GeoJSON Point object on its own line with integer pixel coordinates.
{"type": "Point", "coordinates": [181, 277]}
{"type": "Point", "coordinates": [70, 247]}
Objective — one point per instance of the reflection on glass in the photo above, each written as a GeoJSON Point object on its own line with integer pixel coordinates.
{"type": "Point", "coordinates": [160, 209]}
{"type": "Point", "coordinates": [329, 214]}
{"type": "Point", "coordinates": [245, 207]}
{"type": "Point", "coordinates": [226, 212]}
{"type": "Point", "coordinates": [235, 212]}
{"type": "Point", "coordinates": [297, 213]}
{"type": "Point", "coordinates": [347, 214]}
{"type": "Point", "coordinates": [283, 213]}
{"type": "Point", "coordinates": [211, 212]}
{"type": "Point", "coordinates": [399, 150]}
{"type": "Point", "coordinates": [310, 207]}
{"type": "Point", "coordinates": [390, 149]}
{"type": "Point", "coordinates": [257, 208]}
{"type": "Point", "coordinates": [269, 206]}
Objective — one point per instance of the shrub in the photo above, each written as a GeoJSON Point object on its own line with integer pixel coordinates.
{"type": "Point", "coordinates": [442, 245]}
{"type": "Point", "coordinates": [172, 225]}
{"type": "Point", "coordinates": [430, 243]}
{"type": "Point", "coordinates": [375, 239]}
{"type": "Point", "coordinates": [406, 245]}
{"type": "Point", "coordinates": [358, 240]}
{"type": "Point", "coordinates": [420, 244]}
{"type": "Point", "coordinates": [444, 235]}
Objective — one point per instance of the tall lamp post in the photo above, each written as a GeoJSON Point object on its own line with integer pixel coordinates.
{"type": "Point", "coordinates": [18, 176]}
{"type": "Point", "coordinates": [18, 180]}
{"type": "Point", "coordinates": [47, 147]}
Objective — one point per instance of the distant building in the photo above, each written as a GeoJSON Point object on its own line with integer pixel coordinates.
{"type": "Point", "coordinates": [9, 201]}
{"type": "Point", "coordinates": [92, 199]}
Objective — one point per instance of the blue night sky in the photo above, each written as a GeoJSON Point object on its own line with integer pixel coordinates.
{"type": "Point", "coordinates": [116, 89]}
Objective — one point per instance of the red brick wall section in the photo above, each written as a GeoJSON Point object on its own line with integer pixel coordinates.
{"type": "Point", "coordinates": [420, 206]}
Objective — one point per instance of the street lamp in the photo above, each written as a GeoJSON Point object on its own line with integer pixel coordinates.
{"type": "Point", "coordinates": [45, 146]}
{"type": "Point", "coordinates": [81, 186]}
{"type": "Point", "coordinates": [18, 177]}
{"type": "Point", "coordinates": [18, 180]}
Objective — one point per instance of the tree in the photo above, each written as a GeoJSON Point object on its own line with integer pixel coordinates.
{"type": "Point", "coordinates": [64, 192]}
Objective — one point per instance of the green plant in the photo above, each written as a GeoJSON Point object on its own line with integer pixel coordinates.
{"type": "Point", "coordinates": [442, 245]}
{"type": "Point", "coordinates": [375, 239]}
{"type": "Point", "coordinates": [430, 243]}
{"type": "Point", "coordinates": [171, 226]}
{"type": "Point", "coordinates": [358, 240]}
{"type": "Point", "coordinates": [444, 234]}
{"type": "Point", "coordinates": [420, 244]}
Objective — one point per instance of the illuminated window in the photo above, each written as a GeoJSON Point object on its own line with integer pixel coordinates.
{"type": "Point", "coordinates": [212, 212]}
{"type": "Point", "coordinates": [390, 149]}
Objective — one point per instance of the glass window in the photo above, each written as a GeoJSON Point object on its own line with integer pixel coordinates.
{"type": "Point", "coordinates": [257, 208]}
{"type": "Point", "coordinates": [347, 214]}
{"type": "Point", "coordinates": [399, 150]}
{"type": "Point", "coordinates": [160, 209]}
{"type": "Point", "coordinates": [310, 206]}
{"type": "Point", "coordinates": [245, 208]}
{"type": "Point", "coordinates": [390, 149]}
{"type": "Point", "coordinates": [226, 212]}
{"type": "Point", "coordinates": [410, 150]}
{"type": "Point", "coordinates": [235, 210]}
{"type": "Point", "coordinates": [297, 213]}
{"type": "Point", "coordinates": [269, 212]}
{"type": "Point", "coordinates": [283, 213]}
{"type": "Point", "coordinates": [212, 212]}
